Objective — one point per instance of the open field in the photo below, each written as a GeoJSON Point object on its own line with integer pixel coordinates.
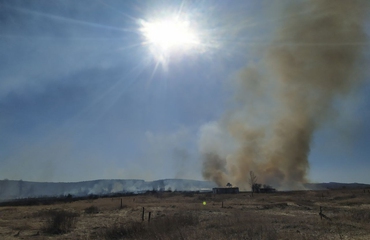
{"type": "Point", "coordinates": [281, 215]}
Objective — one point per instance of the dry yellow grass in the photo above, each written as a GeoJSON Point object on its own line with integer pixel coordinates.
{"type": "Point", "coordinates": [282, 215]}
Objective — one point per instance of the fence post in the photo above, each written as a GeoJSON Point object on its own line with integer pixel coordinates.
{"type": "Point", "coordinates": [149, 216]}
{"type": "Point", "coordinates": [323, 215]}
{"type": "Point", "coordinates": [142, 215]}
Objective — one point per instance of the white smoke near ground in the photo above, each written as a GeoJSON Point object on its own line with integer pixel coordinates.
{"type": "Point", "coordinates": [311, 64]}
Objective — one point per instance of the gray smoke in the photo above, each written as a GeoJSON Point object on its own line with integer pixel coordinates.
{"type": "Point", "coordinates": [312, 62]}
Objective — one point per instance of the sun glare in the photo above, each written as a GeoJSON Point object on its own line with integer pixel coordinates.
{"type": "Point", "coordinates": [170, 35]}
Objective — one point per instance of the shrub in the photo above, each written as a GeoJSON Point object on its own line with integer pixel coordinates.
{"type": "Point", "coordinates": [157, 229]}
{"type": "Point", "coordinates": [59, 221]}
{"type": "Point", "coordinates": [188, 194]}
{"type": "Point", "coordinates": [119, 231]}
{"type": "Point", "coordinates": [92, 210]}
{"type": "Point", "coordinates": [173, 223]}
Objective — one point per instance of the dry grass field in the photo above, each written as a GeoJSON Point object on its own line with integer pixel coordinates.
{"type": "Point", "coordinates": [281, 215]}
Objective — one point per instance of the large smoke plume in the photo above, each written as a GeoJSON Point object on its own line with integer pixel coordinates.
{"type": "Point", "coordinates": [313, 61]}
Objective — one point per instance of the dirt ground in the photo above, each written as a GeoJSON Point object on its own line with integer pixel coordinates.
{"type": "Point", "coordinates": [281, 215]}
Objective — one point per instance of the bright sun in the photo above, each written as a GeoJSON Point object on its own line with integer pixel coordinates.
{"type": "Point", "coordinates": [169, 35]}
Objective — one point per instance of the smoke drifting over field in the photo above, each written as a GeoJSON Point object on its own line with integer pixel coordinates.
{"type": "Point", "coordinates": [281, 101]}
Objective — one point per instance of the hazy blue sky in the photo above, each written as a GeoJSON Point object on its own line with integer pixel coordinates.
{"type": "Point", "coordinates": [81, 96]}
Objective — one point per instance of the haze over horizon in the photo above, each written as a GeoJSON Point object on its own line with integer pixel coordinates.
{"type": "Point", "coordinates": [101, 90]}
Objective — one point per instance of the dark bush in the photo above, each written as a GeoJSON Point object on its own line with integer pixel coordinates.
{"type": "Point", "coordinates": [158, 227]}
{"type": "Point", "coordinates": [120, 231]}
{"type": "Point", "coordinates": [188, 194]}
{"type": "Point", "coordinates": [92, 210]}
{"type": "Point", "coordinates": [59, 221]}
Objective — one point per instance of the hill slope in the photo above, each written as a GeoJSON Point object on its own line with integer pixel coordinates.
{"type": "Point", "coordinates": [11, 189]}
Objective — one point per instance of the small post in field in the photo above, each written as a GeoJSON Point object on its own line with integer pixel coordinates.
{"type": "Point", "coordinates": [323, 215]}
{"type": "Point", "coordinates": [121, 203]}
{"type": "Point", "coordinates": [149, 216]}
{"type": "Point", "coordinates": [142, 215]}
{"type": "Point", "coordinates": [222, 204]}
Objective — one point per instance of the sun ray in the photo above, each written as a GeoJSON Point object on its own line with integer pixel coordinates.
{"type": "Point", "coordinates": [70, 20]}
{"type": "Point", "coordinates": [110, 95]}
{"type": "Point", "coordinates": [130, 46]}
{"type": "Point", "coordinates": [153, 73]}
{"type": "Point", "coordinates": [115, 10]}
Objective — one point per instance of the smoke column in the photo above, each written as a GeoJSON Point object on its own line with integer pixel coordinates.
{"type": "Point", "coordinates": [312, 61]}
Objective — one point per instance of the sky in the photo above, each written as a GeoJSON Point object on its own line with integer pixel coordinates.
{"type": "Point", "coordinates": [84, 94]}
